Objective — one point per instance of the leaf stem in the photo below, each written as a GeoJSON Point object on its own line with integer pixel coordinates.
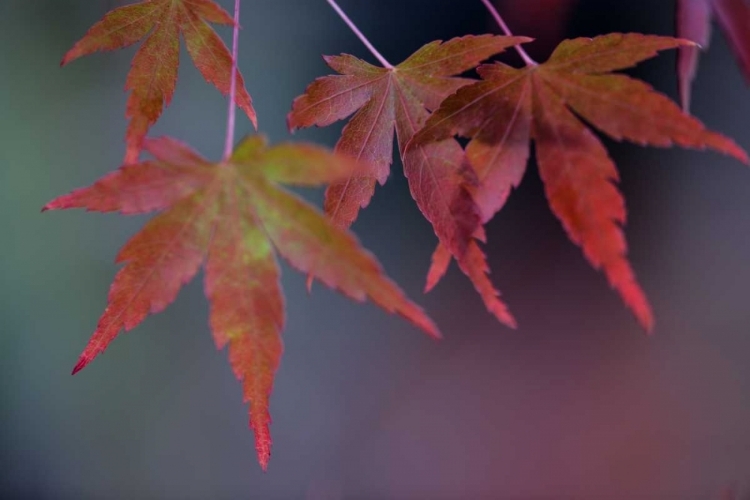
{"type": "Point", "coordinates": [232, 112]}
{"type": "Point", "coordinates": [521, 52]}
{"type": "Point", "coordinates": [361, 36]}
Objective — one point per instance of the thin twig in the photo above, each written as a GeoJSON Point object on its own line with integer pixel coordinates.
{"type": "Point", "coordinates": [361, 36]}
{"type": "Point", "coordinates": [232, 113]}
{"type": "Point", "coordinates": [528, 60]}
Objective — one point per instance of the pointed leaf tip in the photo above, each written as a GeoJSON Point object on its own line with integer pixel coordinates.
{"type": "Point", "coordinates": [81, 364]}
{"type": "Point", "coordinates": [262, 447]}
{"type": "Point", "coordinates": [642, 311]}
{"type": "Point", "coordinates": [441, 259]}
{"type": "Point", "coordinates": [264, 458]}
{"type": "Point", "coordinates": [432, 330]}
{"type": "Point", "coordinates": [474, 265]}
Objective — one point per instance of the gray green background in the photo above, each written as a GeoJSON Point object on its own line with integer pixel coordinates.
{"type": "Point", "coordinates": [578, 403]}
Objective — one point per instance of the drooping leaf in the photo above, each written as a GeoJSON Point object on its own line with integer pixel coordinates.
{"type": "Point", "coordinates": [384, 100]}
{"type": "Point", "coordinates": [474, 265]}
{"type": "Point", "coordinates": [235, 217]}
{"type": "Point", "coordinates": [694, 23]}
{"type": "Point", "coordinates": [508, 107]}
{"type": "Point", "coordinates": [153, 73]}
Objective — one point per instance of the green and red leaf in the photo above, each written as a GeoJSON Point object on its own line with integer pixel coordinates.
{"type": "Point", "coordinates": [234, 217]}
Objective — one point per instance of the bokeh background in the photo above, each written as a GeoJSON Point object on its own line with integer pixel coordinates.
{"type": "Point", "coordinates": [578, 403]}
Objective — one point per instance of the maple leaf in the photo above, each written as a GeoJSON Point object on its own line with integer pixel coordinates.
{"type": "Point", "coordinates": [384, 100]}
{"type": "Point", "coordinates": [234, 216]}
{"type": "Point", "coordinates": [474, 265]}
{"type": "Point", "coordinates": [153, 73]}
{"type": "Point", "coordinates": [508, 107]}
{"type": "Point", "coordinates": [694, 23]}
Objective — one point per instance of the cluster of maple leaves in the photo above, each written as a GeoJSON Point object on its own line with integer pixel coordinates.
{"type": "Point", "coordinates": [234, 216]}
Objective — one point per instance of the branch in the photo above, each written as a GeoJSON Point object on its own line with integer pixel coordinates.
{"type": "Point", "coordinates": [361, 36]}
{"type": "Point", "coordinates": [232, 112]}
{"type": "Point", "coordinates": [521, 52]}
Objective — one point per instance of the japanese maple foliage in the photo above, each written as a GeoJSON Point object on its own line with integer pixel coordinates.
{"type": "Point", "coordinates": [399, 99]}
{"type": "Point", "coordinates": [153, 73]}
{"type": "Point", "coordinates": [694, 23]}
{"type": "Point", "coordinates": [509, 107]}
{"type": "Point", "coordinates": [235, 217]}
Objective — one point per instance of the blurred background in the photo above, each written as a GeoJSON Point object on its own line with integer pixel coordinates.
{"type": "Point", "coordinates": [578, 403]}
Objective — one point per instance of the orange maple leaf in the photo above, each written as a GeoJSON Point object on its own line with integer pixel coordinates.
{"type": "Point", "coordinates": [509, 106]}
{"type": "Point", "coordinates": [234, 216]}
{"type": "Point", "coordinates": [153, 73]}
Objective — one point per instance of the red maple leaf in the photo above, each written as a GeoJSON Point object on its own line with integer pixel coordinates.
{"type": "Point", "coordinates": [384, 100]}
{"type": "Point", "coordinates": [153, 73]}
{"type": "Point", "coordinates": [509, 107]}
{"type": "Point", "coordinates": [235, 217]}
{"type": "Point", "coordinates": [400, 99]}
{"type": "Point", "coordinates": [694, 23]}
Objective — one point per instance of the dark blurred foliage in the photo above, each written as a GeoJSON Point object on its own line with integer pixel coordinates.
{"type": "Point", "coordinates": [578, 403]}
